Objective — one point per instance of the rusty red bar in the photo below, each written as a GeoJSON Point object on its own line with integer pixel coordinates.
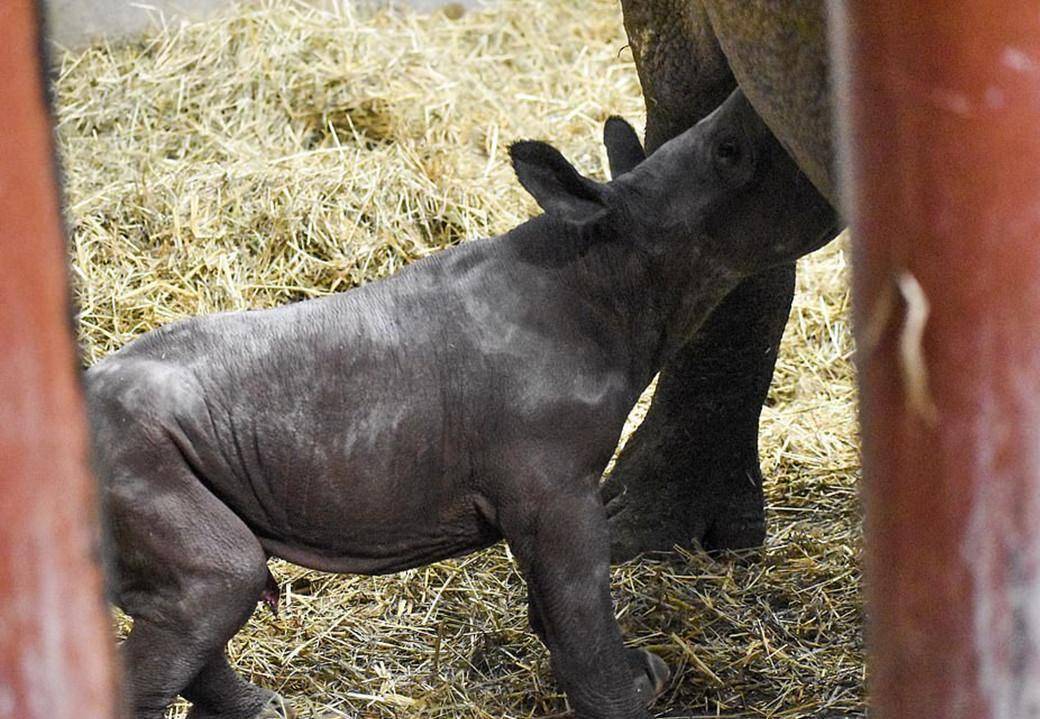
{"type": "Point", "coordinates": [939, 103]}
{"type": "Point", "coordinates": [55, 645]}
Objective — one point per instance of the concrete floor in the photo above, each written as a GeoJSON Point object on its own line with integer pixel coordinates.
{"type": "Point", "coordinates": [75, 23]}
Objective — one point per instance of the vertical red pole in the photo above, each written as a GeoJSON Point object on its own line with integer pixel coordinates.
{"type": "Point", "coordinates": [55, 644]}
{"type": "Point", "coordinates": [939, 102]}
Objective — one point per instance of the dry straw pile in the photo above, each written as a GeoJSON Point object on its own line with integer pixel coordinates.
{"type": "Point", "coordinates": [279, 153]}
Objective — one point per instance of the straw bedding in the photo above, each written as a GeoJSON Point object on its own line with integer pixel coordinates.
{"type": "Point", "coordinates": [279, 153]}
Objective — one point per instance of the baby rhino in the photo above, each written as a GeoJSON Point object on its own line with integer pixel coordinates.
{"type": "Point", "coordinates": [474, 396]}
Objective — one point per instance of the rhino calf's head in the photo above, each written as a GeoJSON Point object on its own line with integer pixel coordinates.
{"type": "Point", "coordinates": [725, 191]}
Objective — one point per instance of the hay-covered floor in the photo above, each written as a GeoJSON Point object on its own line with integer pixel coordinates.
{"type": "Point", "coordinates": [278, 154]}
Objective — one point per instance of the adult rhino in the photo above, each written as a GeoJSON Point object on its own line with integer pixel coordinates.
{"type": "Point", "coordinates": [691, 472]}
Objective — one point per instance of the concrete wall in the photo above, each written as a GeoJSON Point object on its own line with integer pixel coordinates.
{"type": "Point", "coordinates": [75, 23]}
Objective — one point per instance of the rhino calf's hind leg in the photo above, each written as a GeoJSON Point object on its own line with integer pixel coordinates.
{"type": "Point", "coordinates": [190, 574]}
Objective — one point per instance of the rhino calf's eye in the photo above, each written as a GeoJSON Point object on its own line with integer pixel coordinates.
{"type": "Point", "coordinates": [727, 153]}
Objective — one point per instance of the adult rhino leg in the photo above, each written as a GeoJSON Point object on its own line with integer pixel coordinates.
{"type": "Point", "coordinates": [682, 69]}
{"type": "Point", "coordinates": [691, 471]}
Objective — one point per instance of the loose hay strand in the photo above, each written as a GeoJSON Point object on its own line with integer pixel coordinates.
{"type": "Point", "coordinates": [277, 153]}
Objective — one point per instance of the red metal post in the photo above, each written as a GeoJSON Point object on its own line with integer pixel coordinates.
{"type": "Point", "coordinates": [55, 642]}
{"type": "Point", "coordinates": [939, 103]}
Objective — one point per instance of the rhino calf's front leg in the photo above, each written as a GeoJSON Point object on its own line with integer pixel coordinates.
{"type": "Point", "coordinates": [562, 546]}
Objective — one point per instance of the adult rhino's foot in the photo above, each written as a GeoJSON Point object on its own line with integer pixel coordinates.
{"type": "Point", "coordinates": [690, 473]}
{"type": "Point", "coordinates": [665, 491]}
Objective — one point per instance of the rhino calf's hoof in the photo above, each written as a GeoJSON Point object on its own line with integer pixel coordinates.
{"type": "Point", "coordinates": [651, 674]}
{"type": "Point", "coordinates": [277, 708]}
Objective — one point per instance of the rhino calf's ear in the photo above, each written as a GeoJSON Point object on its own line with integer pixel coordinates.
{"type": "Point", "coordinates": [554, 183]}
{"type": "Point", "coordinates": [623, 147]}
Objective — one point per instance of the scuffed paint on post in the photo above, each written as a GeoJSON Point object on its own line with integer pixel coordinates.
{"type": "Point", "coordinates": [939, 112]}
{"type": "Point", "coordinates": [55, 644]}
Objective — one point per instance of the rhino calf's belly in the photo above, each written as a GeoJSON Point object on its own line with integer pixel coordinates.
{"type": "Point", "coordinates": [376, 519]}
{"type": "Point", "coordinates": [370, 528]}
{"type": "Point", "coordinates": [384, 550]}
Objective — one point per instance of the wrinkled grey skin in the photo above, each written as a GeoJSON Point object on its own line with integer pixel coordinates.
{"type": "Point", "coordinates": [691, 472]}
{"type": "Point", "coordinates": [476, 395]}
